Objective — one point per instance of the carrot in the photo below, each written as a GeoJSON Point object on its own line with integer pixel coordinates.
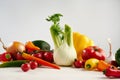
{"type": "Point", "coordinates": [102, 65]}
{"type": "Point", "coordinates": [40, 61]}
{"type": "Point", "coordinates": [31, 46]}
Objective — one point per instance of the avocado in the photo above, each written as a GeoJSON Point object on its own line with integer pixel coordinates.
{"type": "Point", "coordinates": [43, 45]}
{"type": "Point", "coordinates": [117, 56]}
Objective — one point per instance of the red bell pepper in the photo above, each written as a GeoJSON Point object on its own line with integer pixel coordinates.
{"type": "Point", "coordinates": [93, 52]}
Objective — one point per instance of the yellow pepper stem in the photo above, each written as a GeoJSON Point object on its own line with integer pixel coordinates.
{"type": "Point", "coordinates": [88, 66]}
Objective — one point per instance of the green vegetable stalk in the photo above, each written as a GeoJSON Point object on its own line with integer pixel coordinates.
{"type": "Point", "coordinates": [64, 51]}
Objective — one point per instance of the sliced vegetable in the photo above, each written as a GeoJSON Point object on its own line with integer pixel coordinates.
{"type": "Point", "coordinates": [80, 42]}
{"type": "Point", "coordinates": [40, 61]}
{"type": "Point", "coordinates": [91, 64]}
{"type": "Point", "coordinates": [64, 52]}
{"type": "Point", "coordinates": [15, 63]}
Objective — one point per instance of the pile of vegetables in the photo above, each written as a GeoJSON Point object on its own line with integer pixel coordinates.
{"type": "Point", "coordinates": [94, 58]}
{"type": "Point", "coordinates": [19, 55]}
{"type": "Point", "coordinates": [71, 49]}
{"type": "Point", "coordinates": [89, 55]}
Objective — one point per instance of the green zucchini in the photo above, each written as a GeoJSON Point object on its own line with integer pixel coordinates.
{"type": "Point", "coordinates": [43, 45]}
{"type": "Point", "coordinates": [117, 56]}
{"type": "Point", "coordinates": [16, 63]}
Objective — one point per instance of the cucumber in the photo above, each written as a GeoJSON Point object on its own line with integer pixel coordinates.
{"type": "Point", "coordinates": [117, 56]}
{"type": "Point", "coordinates": [16, 63]}
{"type": "Point", "coordinates": [43, 45]}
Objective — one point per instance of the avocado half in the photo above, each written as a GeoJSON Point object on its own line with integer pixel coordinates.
{"type": "Point", "coordinates": [43, 45]}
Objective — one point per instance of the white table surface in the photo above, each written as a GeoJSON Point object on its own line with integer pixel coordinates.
{"type": "Point", "coordinates": [65, 73]}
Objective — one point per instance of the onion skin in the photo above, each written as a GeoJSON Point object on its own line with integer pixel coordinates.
{"type": "Point", "coordinates": [15, 47]}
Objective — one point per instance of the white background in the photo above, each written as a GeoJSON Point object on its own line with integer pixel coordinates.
{"type": "Point", "coordinates": [24, 20]}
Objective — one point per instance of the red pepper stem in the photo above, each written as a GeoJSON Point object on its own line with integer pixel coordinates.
{"type": "Point", "coordinates": [7, 56]}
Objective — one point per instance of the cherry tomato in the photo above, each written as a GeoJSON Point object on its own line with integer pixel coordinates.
{"type": "Point", "coordinates": [25, 67]}
{"type": "Point", "coordinates": [38, 55]}
{"type": "Point", "coordinates": [78, 64]}
{"type": "Point", "coordinates": [33, 64]}
{"type": "Point", "coordinates": [113, 62]}
{"type": "Point", "coordinates": [48, 56]}
{"type": "Point", "coordinates": [29, 51]}
{"type": "Point", "coordinates": [19, 56]}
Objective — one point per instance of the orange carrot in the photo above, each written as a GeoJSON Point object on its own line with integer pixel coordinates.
{"type": "Point", "coordinates": [31, 46]}
{"type": "Point", "coordinates": [40, 61]}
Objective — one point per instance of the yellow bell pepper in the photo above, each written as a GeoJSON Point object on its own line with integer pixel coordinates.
{"type": "Point", "coordinates": [81, 42]}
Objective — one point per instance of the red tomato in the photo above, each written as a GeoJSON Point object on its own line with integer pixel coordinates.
{"type": "Point", "coordinates": [78, 64]}
{"type": "Point", "coordinates": [19, 56]}
{"type": "Point", "coordinates": [33, 64]}
{"type": "Point", "coordinates": [38, 55]}
{"type": "Point", "coordinates": [48, 56]}
{"type": "Point", "coordinates": [25, 67]}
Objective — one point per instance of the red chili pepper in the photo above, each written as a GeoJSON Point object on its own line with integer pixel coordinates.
{"type": "Point", "coordinates": [110, 72]}
{"type": "Point", "coordinates": [5, 57]}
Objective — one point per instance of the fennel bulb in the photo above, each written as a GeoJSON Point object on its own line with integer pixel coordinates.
{"type": "Point", "coordinates": [64, 52]}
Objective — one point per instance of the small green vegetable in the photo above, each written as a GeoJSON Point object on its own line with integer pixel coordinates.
{"type": "Point", "coordinates": [117, 56]}
{"type": "Point", "coordinates": [16, 63]}
{"type": "Point", "coordinates": [43, 45]}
